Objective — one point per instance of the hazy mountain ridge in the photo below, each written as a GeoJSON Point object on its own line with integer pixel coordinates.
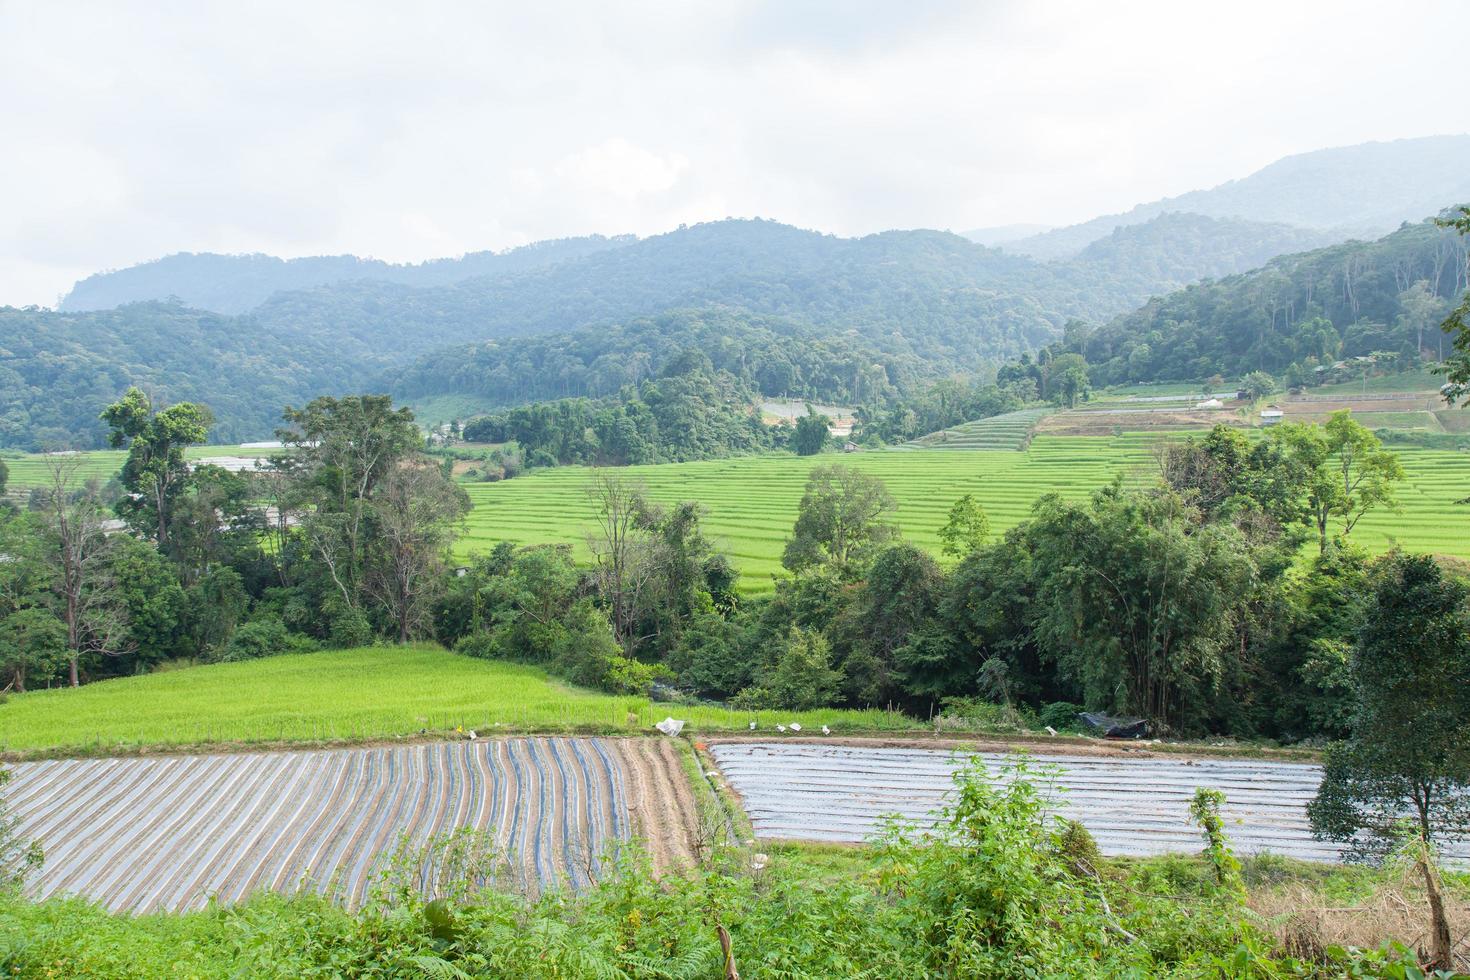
{"type": "Point", "coordinates": [1364, 191]}
{"type": "Point", "coordinates": [237, 283]}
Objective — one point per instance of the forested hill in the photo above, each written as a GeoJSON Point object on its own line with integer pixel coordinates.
{"type": "Point", "coordinates": [1294, 314]}
{"type": "Point", "coordinates": [925, 283]}
{"type": "Point", "coordinates": [58, 371]}
{"type": "Point", "coordinates": [236, 283]}
{"type": "Point", "coordinates": [1354, 191]}
{"type": "Point", "coordinates": [767, 354]}
{"type": "Point", "coordinates": [811, 315]}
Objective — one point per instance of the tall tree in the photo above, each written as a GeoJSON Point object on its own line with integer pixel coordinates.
{"type": "Point", "coordinates": [841, 520]}
{"type": "Point", "coordinates": [811, 433]}
{"type": "Point", "coordinates": [78, 550]}
{"type": "Point", "coordinates": [413, 514]}
{"type": "Point", "coordinates": [1409, 750]}
{"type": "Point", "coordinates": [1135, 599]}
{"type": "Point", "coordinates": [622, 552]}
{"type": "Point", "coordinates": [1066, 379]}
{"type": "Point", "coordinates": [1347, 471]}
{"type": "Point", "coordinates": [342, 449]}
{"type": "Point", "coordinates": [155, 471]}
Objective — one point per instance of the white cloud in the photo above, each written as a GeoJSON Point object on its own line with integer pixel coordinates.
{"type": "Point", "coordinates": [407, 132]}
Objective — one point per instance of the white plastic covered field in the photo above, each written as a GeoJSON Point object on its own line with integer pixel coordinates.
{"type": "Point", "coordinates": [169, 833]}
{"type": "Point", "coordinates": [1131, 805]}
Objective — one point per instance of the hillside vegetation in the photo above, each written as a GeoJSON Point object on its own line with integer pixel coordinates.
{"type": "Point", "coordinates": [1307, 310]}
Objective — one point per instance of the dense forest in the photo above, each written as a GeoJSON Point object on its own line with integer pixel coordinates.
{"type": "Point", "coordinates": [691, 410]}
{"type": "Point", "coordinates": [1296, 314]}
{"type": "Point", "coordinates": [771, 355]}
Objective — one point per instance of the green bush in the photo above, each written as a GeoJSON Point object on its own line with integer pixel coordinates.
{"type": "Point", "coordinates": [264, 638]}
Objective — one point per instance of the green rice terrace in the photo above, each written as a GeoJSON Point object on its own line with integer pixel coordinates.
{"type": "Point", "coordinates": [752, 501]}
{"type": "Point", "coordinates": [1007, 431]}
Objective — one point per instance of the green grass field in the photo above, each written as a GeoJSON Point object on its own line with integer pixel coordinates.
{"type": "Point", "coordinates": [752, 501]}
{"type": "Point", "coordinates": [363, 694]}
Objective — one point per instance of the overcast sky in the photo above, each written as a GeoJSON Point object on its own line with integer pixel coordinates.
{"type": "Point", "coordinates": [414, 130]}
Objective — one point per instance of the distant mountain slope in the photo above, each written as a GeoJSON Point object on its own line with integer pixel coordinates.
{"type": "Point", "coordinates": [1174, 250]}
{"type": "Point", "coordinates": [236, 283]}
{"type": "Point", "coordinates": [933, 288]}
{"type": "Point", "coordinates": [1357, 191]}
{"type": "Point", "coordinates": [1001, 234]}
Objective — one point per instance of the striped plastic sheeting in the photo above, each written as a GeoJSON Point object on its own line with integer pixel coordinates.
{"type": "Point", "coordinates": [1132, 806]}
{"type": "Point", "coordinates": [169, 833]}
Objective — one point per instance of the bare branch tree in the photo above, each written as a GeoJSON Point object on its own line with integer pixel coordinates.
{"type": "Point", "coordinates": [621, 550]}
{"type": "Point", "coordinates": [95, 617]}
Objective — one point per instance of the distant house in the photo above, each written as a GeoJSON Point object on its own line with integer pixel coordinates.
{"type": "Point", "coordinates": [849, 447]}
{"type": "Point", "coordinates": [1270, 415]}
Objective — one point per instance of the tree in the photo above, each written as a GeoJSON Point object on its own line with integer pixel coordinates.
{"type": "Point", "coordinates": [1066, 379]}
{"type": "Point", "coordinates": [32, 644]}
{"type": "Point", "coordinates": [1456, 367]}
{"type": "Point", "coordinates": [1409, 748]}
{"type": "Point", "coordinates": [79, 552]}
{"type": "Point", "coordinates": [155, 470]}
{"type": "Point", "coordinates": [622, 552]}
{"type": "Point", "coordinates": [1422, 307]}
{"type": "Point", "coordinates": [840, 521]}
{"type": "Point", "coordinates": [898, 597]}
{"type": "Point", "coordinates": [811, 433]}
{"type": "Point", "coordinates": [967, 528]}
{"type": "Point", "coordinates": [800, 678]}
{"type": "Point", "coordinates": [1136, 601]}
{"type": "Point", "coordinates": [1346, 471]}
{"type": "Point", "coordinates": [1366, 470]}
{"type": "Point", "coordinates": [413, 515]}
{"type": "Point", "coordinates": [1259, 384]}
{"type": "Point", "coordinates": [342, 450]}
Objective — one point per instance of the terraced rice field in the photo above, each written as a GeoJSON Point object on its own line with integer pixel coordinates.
{"type": "Point", "coordinates": [1006, 431]}
{"type": "Point", "coordinates": [752, 501]}
{"type": "Point", "coordinates": [170, 833]}
{"type": "Point", "coordinates": [1131, 805]}
{"type": "Point", "coordinates": [30, 469]}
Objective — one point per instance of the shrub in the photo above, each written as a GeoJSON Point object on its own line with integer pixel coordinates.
{"type": "Point", "coordinates": [264, 638]}
{"type": "Point", "coordinates": [1060, 715]}
{"type": "Point", "coordinates": [351, 628]}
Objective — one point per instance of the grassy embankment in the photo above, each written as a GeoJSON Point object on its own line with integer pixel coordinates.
{"type": "Point", "coordinates": [348, 696]}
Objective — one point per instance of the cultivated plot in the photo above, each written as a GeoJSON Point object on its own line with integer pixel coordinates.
{"type": "Point", "coordinates": [1132, 806]}
{"type": "Point", "coordinates": [170, 833]}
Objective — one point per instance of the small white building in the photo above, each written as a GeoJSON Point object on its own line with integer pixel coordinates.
{"type": "Point", "coordinates": [1270, 415]}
